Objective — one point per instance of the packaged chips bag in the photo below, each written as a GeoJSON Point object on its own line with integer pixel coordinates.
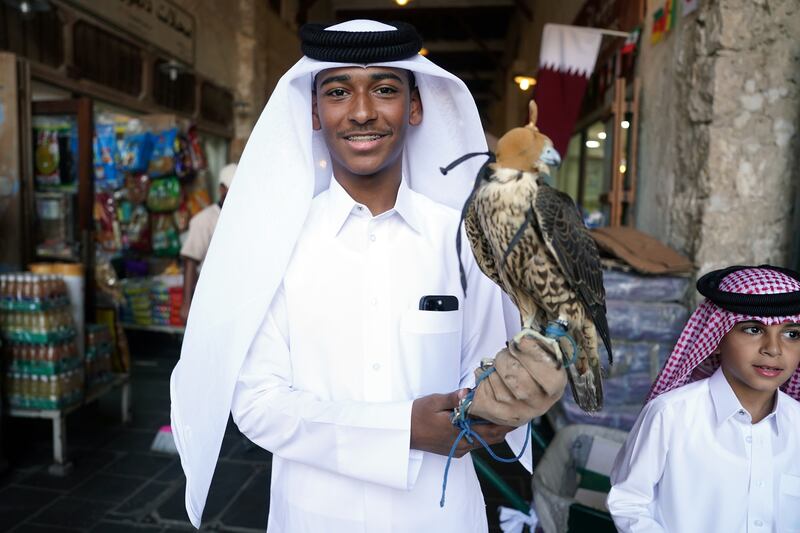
{"type": "Point", "coordinates": [136, 186]}
{"type": "Point", "coordinates": [107, 232]}
{"type": "Point", "coordinates": [164, 195]}
{"type": "Point", "coordinates": [105, 158]}
{"type": "Point", "coordinates": [135, 152]}
{"type": "Point", "coordinates": [136, 233]}
{"type": "Point", "coordinates": [166, 242]}
{"type": "Point", "coordinates": [162, 158]}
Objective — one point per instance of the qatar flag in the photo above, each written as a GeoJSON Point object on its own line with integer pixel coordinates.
{"type": "Point", "coordinates": [566, 63]}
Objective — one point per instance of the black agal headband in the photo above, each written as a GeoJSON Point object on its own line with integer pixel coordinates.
{"type": "Point", "coordinates": [360, 47]}
{"type": "Point", "coordinates": [779, 304]}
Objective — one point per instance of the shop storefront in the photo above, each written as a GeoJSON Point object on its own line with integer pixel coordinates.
{"type": "Point", "coordinates": [599, 169]}
{"type": "Point", "coordinates": [119, 138]}
{"type": "Point", "coordinates": [111, 142]}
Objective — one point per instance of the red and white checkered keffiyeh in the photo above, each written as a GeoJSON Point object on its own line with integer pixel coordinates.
{"type": "Point", "coordinates": [693, 359]}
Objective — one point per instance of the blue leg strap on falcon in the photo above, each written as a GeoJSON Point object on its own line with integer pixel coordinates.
{"type": "Point", "coordinates": [557, 329]}
{"type": "Point", "coordinates": [461, 419]}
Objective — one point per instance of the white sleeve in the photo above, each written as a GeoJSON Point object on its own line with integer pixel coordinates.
{"type": "Point", "coordinates": [638, 470]}
{"type": "Point", "coordinates": [485, 335]}
{"type": "Point", "coordinates": [362, 440]}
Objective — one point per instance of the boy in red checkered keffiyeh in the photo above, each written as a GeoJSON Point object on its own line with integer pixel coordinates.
{"type": "Point", "coordinates": [715, 447]}
{"type": "Point", "coordinates": [764, 294]}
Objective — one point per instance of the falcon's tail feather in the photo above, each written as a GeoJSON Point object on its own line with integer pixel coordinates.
{"type": "Point", "coordinates": [601, 325]}
{"type": "Point", "coordinates": [587, 389]}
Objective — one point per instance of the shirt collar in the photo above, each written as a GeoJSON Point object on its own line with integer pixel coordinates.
{"type": "Point", "coordinates": [727, 405]}
{"type": "Point", "coordinates": [341, 205]}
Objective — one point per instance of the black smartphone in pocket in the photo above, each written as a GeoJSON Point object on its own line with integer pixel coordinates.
{"type": "Point", "coordinates": [438, 302]}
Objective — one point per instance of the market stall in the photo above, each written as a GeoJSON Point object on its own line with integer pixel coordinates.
{"type": "Point", "coordinates": [150, 180]}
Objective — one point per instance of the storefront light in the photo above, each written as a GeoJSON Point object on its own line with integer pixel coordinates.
{"type": "Point", "coordinates": [601, 136]}
{"type": "Point", "coordinates": [525, 82]}
{"type": "Point", "coordinates": [622, 168]}
{"type": "Point", "coordinates": [172, 68]}
{"type": "Point", "coordinates": [591, 143]}
{"type": "Point", "coordinates": [29, 8]}
{"type": "Point", "coordinates": [625, 124]}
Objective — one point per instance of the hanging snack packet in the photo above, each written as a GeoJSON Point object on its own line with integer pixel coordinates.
{"type": "Point", "coordinates": [107, 231]}
{"type": "Point", "coordinates": [184, 166]}
{"type": "Point", "coordinates": [164, 195]}
{"type": "Point", "coordinates": [137, 185]}
{"type": "Point", "coordinates": [197, 200]}
{"type": "Point", "coordinates": [162, 160]}
{"type": "Point", "coordinates": [136, 234]}
{"type": "Point", "coordinates": [105, 157]}
{"type": "Point", "coordinates": [182, 217]}
{"type": "Point", "coordinates": [166, 242]}
{"type": "Point", "coordinates": [196, 151]}
{"type": "Point", "coordinates": [135, 152]}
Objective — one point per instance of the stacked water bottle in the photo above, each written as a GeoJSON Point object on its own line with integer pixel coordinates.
{"type": "Point", "coordinates": [42, 366]}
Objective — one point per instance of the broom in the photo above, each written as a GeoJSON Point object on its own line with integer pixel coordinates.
{"type": "Point", "coordinates": [164, 442]}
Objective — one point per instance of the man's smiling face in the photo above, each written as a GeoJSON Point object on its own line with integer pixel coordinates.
{"type": "Point", "coordinates": [364, 114]}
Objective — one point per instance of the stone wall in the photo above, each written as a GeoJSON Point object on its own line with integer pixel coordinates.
{"type": "Point", "coordinates": [719, 166]}
{"type": "Point", "coordinates": [245, 47]}
{"type": "Point", "coordinates": [215, 42]}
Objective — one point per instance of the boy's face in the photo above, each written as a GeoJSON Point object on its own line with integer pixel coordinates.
{"type": "Point", "coordinates": [364, 114]}
{"type": "Point", "coordinates": [760, 357]}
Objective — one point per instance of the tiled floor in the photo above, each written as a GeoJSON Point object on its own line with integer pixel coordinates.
{"type": "Point", "coordinates": [119, 486]}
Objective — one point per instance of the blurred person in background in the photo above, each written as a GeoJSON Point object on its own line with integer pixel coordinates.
{"type": "Point", "coordinates": [201, 228]}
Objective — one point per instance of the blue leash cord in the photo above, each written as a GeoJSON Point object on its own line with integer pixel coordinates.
{"type": "Point", "coordinates": [460, 418]}
{"type": "Point", "coordinates": [557, 330]}
{"type": "Point", "coordinates": [462, 421]}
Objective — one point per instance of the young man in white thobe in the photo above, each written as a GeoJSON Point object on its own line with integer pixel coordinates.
{"type": "Point", "coordinates": [307, 322]}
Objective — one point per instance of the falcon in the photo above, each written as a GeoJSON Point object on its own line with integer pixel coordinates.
{"type": "Point", "coordinates": [530, 239]}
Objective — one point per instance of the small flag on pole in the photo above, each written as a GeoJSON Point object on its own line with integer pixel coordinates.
{"type": "Point", "coordinates": [630, 42]}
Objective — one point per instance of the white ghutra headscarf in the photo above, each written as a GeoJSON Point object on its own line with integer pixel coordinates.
{"type": "Point", "coordinates": [284, 165]}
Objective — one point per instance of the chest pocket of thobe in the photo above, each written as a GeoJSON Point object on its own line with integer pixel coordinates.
{"type": "Point", "coordinates": [430, 346]}
{"type": "Point", "coordinates": [789, 504]}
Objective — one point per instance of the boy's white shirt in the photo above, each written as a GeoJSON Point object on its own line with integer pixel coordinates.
{"type": "Point", "coordinates": [329, 381]}
{"type": "Point", "coordinates": [694, 462]}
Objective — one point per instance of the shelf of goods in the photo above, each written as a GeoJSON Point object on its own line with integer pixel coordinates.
{"type": "Point", "coordinates": [44, 373]}
{"type": "Point", "coordinates": [153, 304]}
{"type": "Point", "coordinates": [150, 180]}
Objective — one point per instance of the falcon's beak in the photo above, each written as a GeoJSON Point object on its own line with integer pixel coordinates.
{"type": "Point", "coordinates": [550, 157]}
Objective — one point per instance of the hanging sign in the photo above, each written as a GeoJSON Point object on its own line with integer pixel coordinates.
{"type": "Point", "coordinates": [158, 22]}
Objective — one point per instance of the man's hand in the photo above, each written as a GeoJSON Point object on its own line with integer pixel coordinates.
{"type": "Point", "coordinates": [432, 431]}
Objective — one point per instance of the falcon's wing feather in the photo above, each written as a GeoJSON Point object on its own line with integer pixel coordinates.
{"type": "Point", "coordinates": [481, 248]}
{"type": "Point", "coordinates": [575, 251]}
